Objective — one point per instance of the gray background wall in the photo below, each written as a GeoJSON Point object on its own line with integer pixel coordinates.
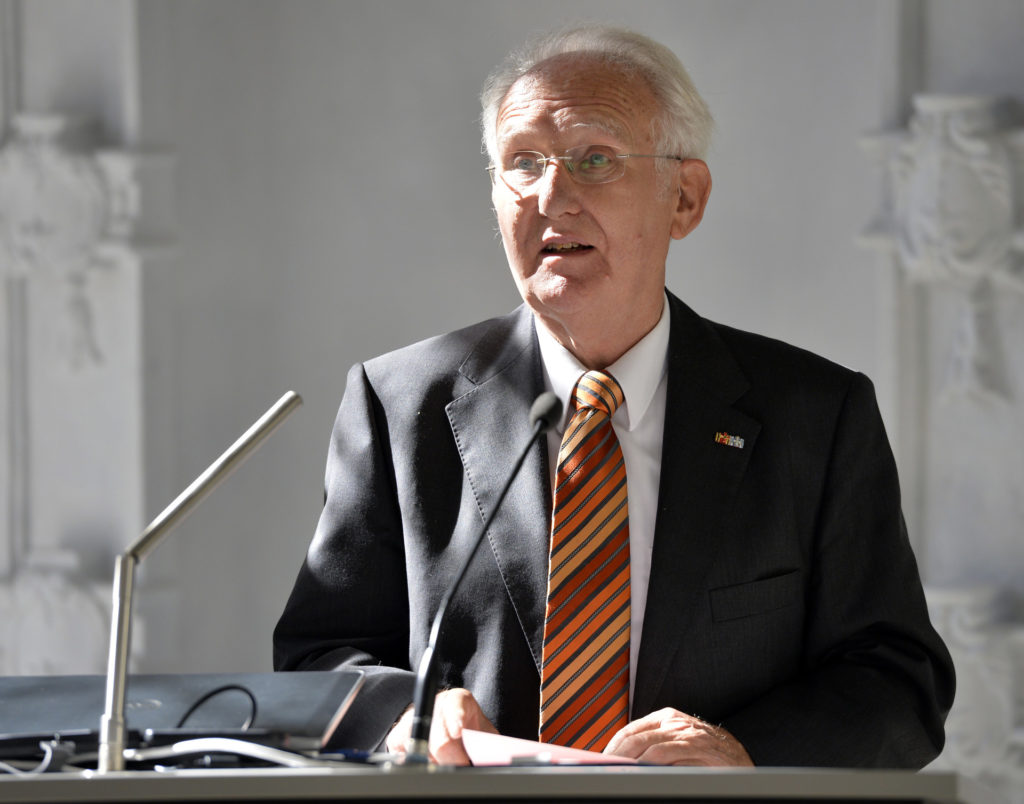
{"type": "Point", "coordinates": [332, 204]}
{"type": "Point", "coordinates": [313, 194]}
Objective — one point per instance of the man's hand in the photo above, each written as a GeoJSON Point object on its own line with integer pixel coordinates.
{"type": "Point", "coordinates": [670, 737]}
{"type": "Point", "coordinates": [454, 710]}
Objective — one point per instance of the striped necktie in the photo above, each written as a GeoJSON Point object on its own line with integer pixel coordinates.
{"type": "Point", "coordinates": [585, 666]}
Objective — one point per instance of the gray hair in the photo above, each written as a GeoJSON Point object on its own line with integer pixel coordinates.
{"type": "Point", "coordinates": [683, 128]}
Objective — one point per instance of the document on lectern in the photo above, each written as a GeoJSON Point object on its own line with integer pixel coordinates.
{"type": "Point", "coordinates": [486, 749]}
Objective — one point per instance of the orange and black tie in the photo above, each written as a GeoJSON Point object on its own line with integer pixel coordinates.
{"type": "Point", "coordinates": [584, 696]}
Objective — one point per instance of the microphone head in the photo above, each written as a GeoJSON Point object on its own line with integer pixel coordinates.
{"type": "Point", "coordinates": [545, 412]}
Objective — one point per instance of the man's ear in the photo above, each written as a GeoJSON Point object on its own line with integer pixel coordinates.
{"type": "Point", "coordinates": [694, 187]}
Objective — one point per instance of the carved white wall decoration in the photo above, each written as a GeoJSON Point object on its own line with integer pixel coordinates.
{"type": "Point", "coordinates": [984, 738]}
{"type": "Point", "coordinates": [954, 180]}
{"type": "Point", "coordinates": [62, 619]}
{"type": "Point", "coordinates": [950, 223]}
{"type": "Point", "coordinates": [71, 411]}
{"type": "Point", "coordinates": [52, 215]}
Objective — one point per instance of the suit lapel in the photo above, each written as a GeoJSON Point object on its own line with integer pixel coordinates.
{"type": "Point", "coordinates": [699, 478]}
{"type": "Point", "coordinates": [502, 377]}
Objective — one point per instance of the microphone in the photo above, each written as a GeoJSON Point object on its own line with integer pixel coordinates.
{"type": "Point", "coordinates": [112, 726]}
{"type": "Point", "coordinates": [544, 414]}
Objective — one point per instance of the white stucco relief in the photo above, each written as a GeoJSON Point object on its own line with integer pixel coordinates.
{"type": "Point", "coordinates": [69, 347]}
{"type": "Point", "coordinates": [950, 223]}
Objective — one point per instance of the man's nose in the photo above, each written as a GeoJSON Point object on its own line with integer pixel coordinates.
{"type": "Point", "coordinates": [557, 192]}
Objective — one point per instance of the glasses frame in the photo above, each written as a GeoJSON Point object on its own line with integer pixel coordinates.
{"type": "Point", "coordinates": [570, 166]}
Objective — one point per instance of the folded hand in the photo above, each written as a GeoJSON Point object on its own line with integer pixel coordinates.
{"type": "Point", "coordinates": [671, 737]}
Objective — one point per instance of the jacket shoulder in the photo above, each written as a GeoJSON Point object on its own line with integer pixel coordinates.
{"type": "Point", "coordinates": [766, 359]}
{"type": "Point", "coordinates": [736, 364]}
{"type": "Point", "coordinates": [470, 353]}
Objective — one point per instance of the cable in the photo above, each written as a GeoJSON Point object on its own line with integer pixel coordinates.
{"type": "Point", "coordinates": [223, 745]}
{"type": "Point", "coordinates": [55, 754]}
{"type": "Point", "coordinates": [219, 690]}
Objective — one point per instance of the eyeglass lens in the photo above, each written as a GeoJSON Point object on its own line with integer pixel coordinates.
{"type": "Point", "coordinates": [591, 164]}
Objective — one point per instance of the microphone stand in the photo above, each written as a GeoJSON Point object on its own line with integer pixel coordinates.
{"type": "Point", "coordinates": [112, 724]}
{"type": "Point", "coordinates": [544, 413]}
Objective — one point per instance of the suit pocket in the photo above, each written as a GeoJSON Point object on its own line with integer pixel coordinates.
{"type": "Point", "coordinates": [756, 597]}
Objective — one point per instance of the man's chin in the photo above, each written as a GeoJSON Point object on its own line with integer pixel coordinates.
{"type": "Point", "coordinates": [568, 315]}
{"type": "Point", "coordinates": [559, 301]}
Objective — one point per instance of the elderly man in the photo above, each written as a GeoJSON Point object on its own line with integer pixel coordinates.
{"type": "Point", "coordinates": [706, 563]}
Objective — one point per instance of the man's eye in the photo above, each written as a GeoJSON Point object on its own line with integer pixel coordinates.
{"type": "Point", "coordinates": [596, 160]}
{"type": "Point", "coordinates": [526, 163]}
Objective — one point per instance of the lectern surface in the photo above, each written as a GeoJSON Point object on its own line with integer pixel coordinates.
{"type": "Point", "coordinates": [606, 785]}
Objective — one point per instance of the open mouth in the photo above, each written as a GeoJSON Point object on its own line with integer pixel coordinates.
{"type": "Point", "coordinates": [565, 248]}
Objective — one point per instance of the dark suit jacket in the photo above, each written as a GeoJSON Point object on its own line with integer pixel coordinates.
{"type": "Point", "coordinates": [784, 599]}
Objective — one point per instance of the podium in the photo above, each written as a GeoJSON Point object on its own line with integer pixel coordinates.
{"type": "Point", "coordinates": [360, 783]}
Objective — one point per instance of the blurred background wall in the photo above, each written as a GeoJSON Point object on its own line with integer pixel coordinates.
{"type": "Point", "coordinates": [332, 204]}
{"type": "Point", "coordinates": [301, 186]}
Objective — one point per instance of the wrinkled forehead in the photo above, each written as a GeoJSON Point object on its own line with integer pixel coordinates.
{"type": "Point", "coordinates": [573, 93]}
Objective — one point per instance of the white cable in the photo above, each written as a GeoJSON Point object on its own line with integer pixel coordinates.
{"type": "Point", "coordinates": [225, 745]}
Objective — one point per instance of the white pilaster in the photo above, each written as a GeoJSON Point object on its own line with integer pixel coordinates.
{"type": "Point", "coordinates": [949, 226]}
{"type": "Point", "coordinates": [81, 213]}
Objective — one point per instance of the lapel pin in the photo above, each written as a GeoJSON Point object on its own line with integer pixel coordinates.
{"type": "Point", "coordinates": [729, 440]}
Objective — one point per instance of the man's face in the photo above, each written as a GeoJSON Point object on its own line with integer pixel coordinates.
{"type": "Point", "coordinates": [586, 256]}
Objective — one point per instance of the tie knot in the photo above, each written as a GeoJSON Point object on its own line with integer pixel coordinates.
{"type": "Point", "coordinates": [598, 389]}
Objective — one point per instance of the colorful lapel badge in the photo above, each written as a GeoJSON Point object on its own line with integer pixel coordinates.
{"type": "Point", "coordinates": [729, 440]}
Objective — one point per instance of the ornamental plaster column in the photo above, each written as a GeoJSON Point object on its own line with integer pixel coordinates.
{"type": "Point", "coordinates": [73, 414]}
{"type": "Point", "coordinates": [950, 227]}
{"type": "Point", "coordinates": [74, 248]}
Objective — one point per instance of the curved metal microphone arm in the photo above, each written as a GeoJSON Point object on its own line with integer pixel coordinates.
{"type": "Point", "coordinates": [544, 415]}
{"type": "Point", "coordinates": [112, 724]}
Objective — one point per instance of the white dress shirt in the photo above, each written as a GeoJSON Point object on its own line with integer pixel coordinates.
{"type": "Point", "coordinates": [639, 425]}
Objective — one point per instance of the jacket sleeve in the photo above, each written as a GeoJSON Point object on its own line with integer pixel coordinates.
{"type": "Point", "coordinates": [876, 680]}
{"type": "Point", "coordinates": [349, 605]}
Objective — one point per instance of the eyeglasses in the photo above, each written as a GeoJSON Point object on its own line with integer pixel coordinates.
{"type": "Point", "coordinates": [587, 164]}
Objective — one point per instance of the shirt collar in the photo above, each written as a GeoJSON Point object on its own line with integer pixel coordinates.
{"type": "Point", "coordinates": [638, 371]}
